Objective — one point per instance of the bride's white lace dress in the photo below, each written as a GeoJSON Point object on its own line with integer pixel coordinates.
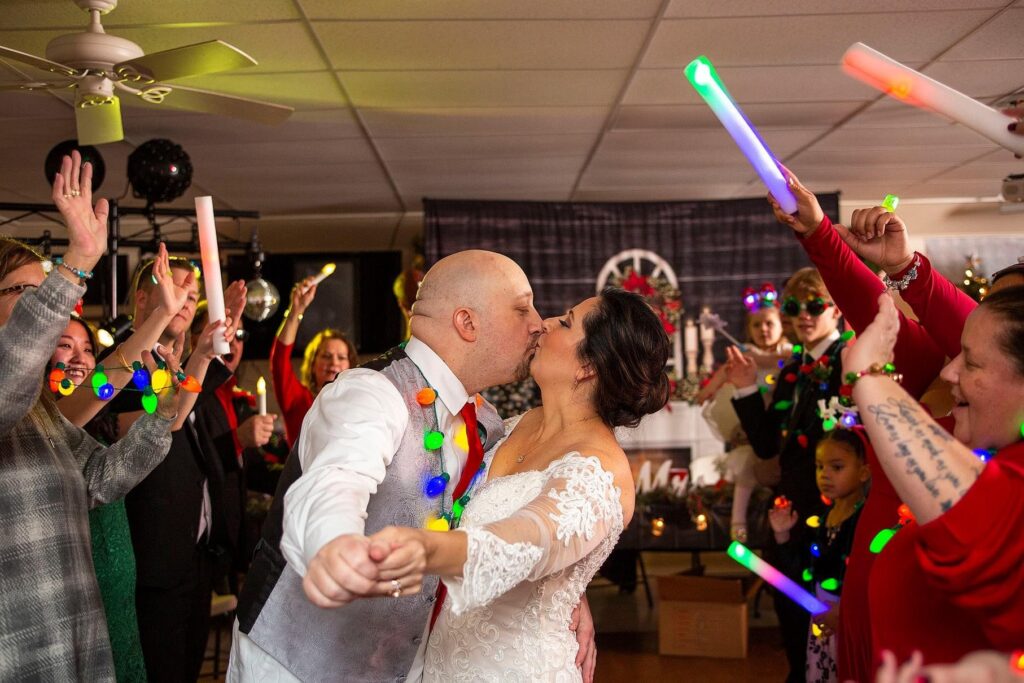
{"type": "Point", "coordinates": [535, 540]}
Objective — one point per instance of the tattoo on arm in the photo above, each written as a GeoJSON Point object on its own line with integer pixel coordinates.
{"type": "Point", "coordinates": [924, 448]}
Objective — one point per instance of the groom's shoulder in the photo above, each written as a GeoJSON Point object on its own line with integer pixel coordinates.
{"type": "Point", "coordinates": [386, 359]}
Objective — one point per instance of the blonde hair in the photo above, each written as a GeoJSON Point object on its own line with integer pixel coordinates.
{"type": "Point", "coordinates": [14, 255]}
{"type": "Point", "coordinates": [306, 375]}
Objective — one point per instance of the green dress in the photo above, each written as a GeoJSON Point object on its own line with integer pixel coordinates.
{"type": "Point", "coordinates": [114, 560]}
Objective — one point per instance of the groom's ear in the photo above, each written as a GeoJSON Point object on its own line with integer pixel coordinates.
{"type": "Point", "coordinates": [466, 323]}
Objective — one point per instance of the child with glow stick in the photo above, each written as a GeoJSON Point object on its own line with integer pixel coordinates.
{"type": "Point", "coordinates": [767, 346]}
{"type": "Point", "coordinates": [842, 476]}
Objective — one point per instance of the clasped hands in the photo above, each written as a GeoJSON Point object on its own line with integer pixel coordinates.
{"type": "Point", "coordinates": [387, 564]}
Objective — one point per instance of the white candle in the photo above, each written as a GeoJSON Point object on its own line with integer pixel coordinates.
{"type": "Point", "coordinates": [907, 85]}
{"type": "Point", "coordinates": [261, 395]}
{"type": "Point", "coordinates": [211, 270]}
{"type": "Point", "coordinates": [324, 273]}
{"type": "Point", "coordinates": [691, 350]}
{"type": "Point", "coordinates": [707, 338]}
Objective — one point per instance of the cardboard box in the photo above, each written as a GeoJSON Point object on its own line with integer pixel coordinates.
{"type": "Point", "coordinates": [702, 616]}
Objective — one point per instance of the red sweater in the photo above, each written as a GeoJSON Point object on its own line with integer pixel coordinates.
{"type": "Point", "coordinates": [293, 397]}
{"type": "Point", "coordinates": [956, 584]}
{"type": "Point", "coordinates": [940, 306]}
{"type": "Point", "coordinates": [855, 290]}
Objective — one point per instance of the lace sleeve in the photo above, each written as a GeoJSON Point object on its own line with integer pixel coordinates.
{"type": "Point", "coordinates": [577, 509]}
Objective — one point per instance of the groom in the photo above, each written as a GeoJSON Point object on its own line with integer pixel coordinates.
{"type": "Point", "coordinates": [361, 464]}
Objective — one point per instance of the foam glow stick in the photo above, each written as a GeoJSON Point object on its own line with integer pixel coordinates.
{"type": "Point", "coordinates": [912, 87]}
{"type": "Point", "coordinates": [211, 270]}
{"type": "Point", "coordinates": [777, 579]}
{"type": "Point", "coordinates": [705, 81]}
{"type": "Point", "coordinates": [324, 273]}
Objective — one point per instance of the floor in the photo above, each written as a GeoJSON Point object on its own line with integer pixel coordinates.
{"type": "Point", "coordinates": [627, 637]}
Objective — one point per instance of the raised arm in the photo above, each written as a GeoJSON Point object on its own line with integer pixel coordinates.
{"type": "Point", "coordinates": [302, 296]}
{"type": "Point", "coordinates": [837, 251]}
{"type": "Point", "coordinates": [930, 470]}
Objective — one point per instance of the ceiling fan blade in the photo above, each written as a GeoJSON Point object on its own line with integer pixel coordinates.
{"type": "Point", "coordinates": [100, 123]}
{"type": "Point", "coordinates": [37, 62]}
{"type": "Point", "coordinates": [36, 85]}
{"type": "Point", "coordinates": [208, 102]}
{"type": "Point", "coordinates": [191, 60]}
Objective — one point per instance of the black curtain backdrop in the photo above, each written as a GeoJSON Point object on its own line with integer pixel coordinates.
{"type": "Point", "coordinates": [717, 248]}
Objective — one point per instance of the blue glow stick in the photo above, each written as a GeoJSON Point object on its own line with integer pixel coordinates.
{"type": "Point", "coordinates": [705, 81]}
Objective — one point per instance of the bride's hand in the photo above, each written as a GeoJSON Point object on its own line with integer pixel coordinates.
{"type": "Point", "coordinates": [401, 557]}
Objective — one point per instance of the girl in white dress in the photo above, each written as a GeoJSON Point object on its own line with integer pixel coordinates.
{"type": "Point", "coordinates": [558, 493]}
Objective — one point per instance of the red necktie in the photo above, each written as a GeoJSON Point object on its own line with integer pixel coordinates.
{"type": "Point", "coordinates": [473, 460]}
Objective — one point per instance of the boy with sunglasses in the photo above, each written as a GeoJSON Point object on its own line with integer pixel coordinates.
{"type": "Point", "coordinates": [790, 427]}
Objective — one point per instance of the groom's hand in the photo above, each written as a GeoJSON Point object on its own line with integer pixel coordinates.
{"type": "Point", "coordinates": [341, 572]}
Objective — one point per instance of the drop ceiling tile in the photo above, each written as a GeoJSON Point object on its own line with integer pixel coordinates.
{"type": "Point", "coordinates": [656, 193]}
{"type": "Point", "coordinates": [747, 85]}
{"type": "Point", "coordinates": [452, 122]}
{"type": "Point", "coordinates": [870, 156]}
{"type": "Point", "coordinates": [834, 174]}
{"type": "Point", "coordinates": [304, 91]}
{"type": "Point", "coordinates": [485, 147]}
{"type": "Point", "coordinates": [188, 128]}
{"type": "Point", "coordinates": [462, 89]}
{"type": "Point", "coordinates": [981, 79]}
{"type": "Point", "coordinates": [895, 138]}
{"type": "Point", "coordinates": [694, 146]}
{"type": "Point", "coordinates": [954, 188]}
{"type": "Point", "coordinates": [774, 115]}
{"type": "Point", "coordinates": [891, 113]}
{"type": "Point", "coordinates": [481, 9]}
{"type": "Point", "coordinates": [681, 175]}
{"type": "Point", "coordinates": [440, 45]}
{"type": "Point", "coordinates": [257, 156]}
{"type": "Point", "coordinates": [748, 41]}
{"type": "Point", "coordinates": [1000, 39]}
{"type": "Point", "coordinates": [995, 165]}
{"type": "Point", "coordinates": [740, 8]}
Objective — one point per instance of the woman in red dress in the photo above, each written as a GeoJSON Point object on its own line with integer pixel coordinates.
{"type": "Point", "coordinates": [326, 355]}
{"type": "Point", "coordinates": [953, 581]}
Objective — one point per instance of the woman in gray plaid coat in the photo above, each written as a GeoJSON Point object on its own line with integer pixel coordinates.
{"type": "Point", "coordinates": [52, 626]}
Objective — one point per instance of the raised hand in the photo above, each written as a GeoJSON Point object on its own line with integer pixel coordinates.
{"type": "Point", "coordinates": [302, 296]}
{"type": "Point", "coordinates": [740, 370]}
{"type": "Point", "coordinates": [876, 343]}
{"type": "Point", "coordinates": [204, 343]}
{"type": "Point", "coordinates": [171, 297]}
{"type": "Point", "coordinates": [880, 236]}
{"type": "Point", "coordinates": [256, 431]}
{"type": "Point", "coordinates": [167, 399]}
{"type": "Point", "coordinates": [87, 225]}
{"type": "Point", "coordinates": [808, 211]}
{"type": "Point", "coordinates": [234, 301]}
{"type": "Point", "coordinates": [341, 572]}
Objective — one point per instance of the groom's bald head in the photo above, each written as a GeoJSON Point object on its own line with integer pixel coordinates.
{"type": "Point", "coordinates": [475, 309]}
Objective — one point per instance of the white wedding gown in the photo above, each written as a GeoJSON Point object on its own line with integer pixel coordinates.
{"type": "Point", "coordinates": [535, 539]}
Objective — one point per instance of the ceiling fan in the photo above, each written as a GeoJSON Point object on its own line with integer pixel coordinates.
{"type": "Point", "coordinates": [96, 65]}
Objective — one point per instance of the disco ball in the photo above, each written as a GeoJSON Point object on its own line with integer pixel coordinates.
{"type": "Point", "coordinates": [159, 171]}
{"type": "Point", "coordinates": [89, 153]}
{"type": "Point", "coordinates": [261, 300]}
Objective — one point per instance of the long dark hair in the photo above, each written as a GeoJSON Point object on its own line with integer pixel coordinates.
{"type": "Point", "coordinates": [627, 346]}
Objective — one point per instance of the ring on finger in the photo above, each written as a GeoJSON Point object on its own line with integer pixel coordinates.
{"type": "Point", "coordinates": [396, 588]}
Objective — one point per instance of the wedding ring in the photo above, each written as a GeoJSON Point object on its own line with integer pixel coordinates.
{"type": "Point", "coordinates": [67, 196]}
{"type": "Point", "coordinates": [76, 193]}
{"type": "Point", "coordinates": [396, 586]}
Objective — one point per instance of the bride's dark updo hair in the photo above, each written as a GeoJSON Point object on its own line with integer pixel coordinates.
{"type": "Point", "coordinates": [627, 346]}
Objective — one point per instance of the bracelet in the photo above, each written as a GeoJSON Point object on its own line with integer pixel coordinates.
{"type": "Point", "coordinates": [903, 282]}
{"type": "Point", "coordinates": [80, 274]}
{"type": "Point", "coordinates": [850, 378]}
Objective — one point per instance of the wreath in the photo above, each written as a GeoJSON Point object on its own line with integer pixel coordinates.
{"type": "Point", "coordinates": [658, 292]}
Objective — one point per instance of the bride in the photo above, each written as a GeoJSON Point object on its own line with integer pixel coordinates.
{"type": "Point", "coordinates": [558, 495]}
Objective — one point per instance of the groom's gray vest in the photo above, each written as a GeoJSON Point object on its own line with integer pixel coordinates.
{"type": "Point", "coordinates": [366, 640]}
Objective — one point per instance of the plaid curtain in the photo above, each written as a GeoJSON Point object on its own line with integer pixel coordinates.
{"type": "Point", "coordinates": [717, 248]}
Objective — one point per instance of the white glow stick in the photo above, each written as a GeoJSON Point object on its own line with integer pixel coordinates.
{"type": "Point", "coordinates": [325, 272]}
{"type": "Point", "coordinates": [211, 270]}
{"type": "Point", "coordinates": [912, 87]}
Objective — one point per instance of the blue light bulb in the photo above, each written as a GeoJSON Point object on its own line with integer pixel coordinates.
{"type": "Point", "coordinates": [437, 485]}
{"type": "Point", "coordinates": [815, 550]}
{"type": "Point", "coordinates": [105, 391]}
{"type": "Point", "coordinates": [140, 378]}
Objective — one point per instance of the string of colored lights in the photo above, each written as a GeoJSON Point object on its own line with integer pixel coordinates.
{"type": "Point", "coordinates": [702, 76]}
{"type": "Point", "coordinates": [746, 557]}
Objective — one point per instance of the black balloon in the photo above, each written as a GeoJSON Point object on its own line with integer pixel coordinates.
{"type": "Point", "coordinates": [89, 153]}
{"type": "Point", "coordinates": [159, 171]}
